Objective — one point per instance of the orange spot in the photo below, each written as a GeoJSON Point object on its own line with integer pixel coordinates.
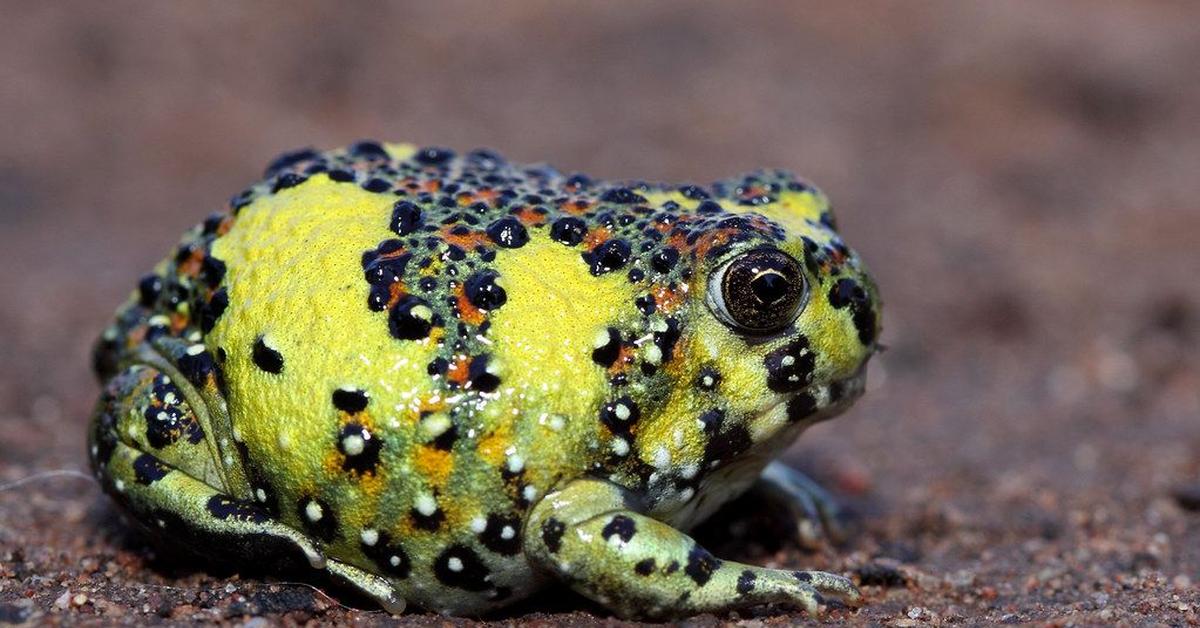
{"type": "Point", "coordinates": [457, 371]}
{"type": "Point", "coordinates": [596, 237]}
{"type": "Point", "coordinates": [191, 265]}
{"type": "Point", "coordinates": [667, 300]}
{"type": "Point", "coordinates": [396, 291]}
{"type": "Point", "coordinates": [625, 357]}
{"type": "Point", "coordinates": [467, 241]}
{"type": "Point", "coordinates": [491, 447]}
{"type": "Point", "coordinates": [529, 217]}
{"type": "Point", "coordinates": [466, 310]}
{"type": "Point", "coordinates": [575, 207]}
{"type": "Point", "coordinates": [435, 464]}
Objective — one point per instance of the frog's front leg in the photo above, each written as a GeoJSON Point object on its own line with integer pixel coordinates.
{"type": "Point", "coordinates": [814, 511]}
{"type": "Point", "coordinates": [148, 451]}
{"type": "Point", "coordinates": [592, 536]}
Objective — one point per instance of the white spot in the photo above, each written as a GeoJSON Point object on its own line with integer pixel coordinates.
{"type": "Point", "coordinates": [658, 325]}
{"type": "Point", "coordinates": [622, 411]}
{"type": "Point", "coordinates": [195, 350]}
{"type": "Point", "coordinates": [161, 523]}
{"type": "Point", "coordinates": [454, 564]}
{"type": "Point", "coordinates": [284, 441]}
{"type": "Point", "coordinates": [158, 321]}
{"type": "Point", "coordinates": [119, 484]}
{"type": "Point", "coordinates": [787, 360]}
{"type": "Point", "coordinates": [662, 458]}
{"type": "Point", "coordinates": [425, 504]}
{"type": "Point", "coordinates": [556, 422]}
{"type": "Point", "coordinates": [228, 460]}
{"type": "Point", "coordinates": [620, 446]}
{"type": "Point", "coordinates": [688, 471]}
{"type": "Point", "coordinates": [422, 312]}
{"type": "Point", "coordinates": [708, 381]}
{"type": "Point", "coordinates": [369, 537]}
{"type": "Point", "coordinates": [353, 444]}
{"type": "Point", "coordinates": [687, 493]}
{"type": "Point", "coordinates": [478, 525]}
{"type": "Point", "coordinates": [678, 434]}
{"type": "Point", "coordinates": [237, 435]}
{"type": "Point", "coordinates": [169, 398]}
{"type": "Point", "coordinates": [529, 493]}
{"type": "Point", "coordinates": [395, 561]}
{"type": "Point", "coordinates": [315, 560]}
{"type": "Point", "coordinates": [260, 494]}
{"type": "Point", "coordinates": [515, 463]}
{"type": "Point", "coordinates": [601, 339]}
{"type": "Point", "coordinates": [507, 532]}
{"type": "Point", "coordinates": [313, 511]}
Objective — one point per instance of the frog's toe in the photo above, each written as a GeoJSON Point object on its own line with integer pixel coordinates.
{"type": "Point", "coordinates": [829, 585]}
{"type": "Point", "coordinates": [817, 515]}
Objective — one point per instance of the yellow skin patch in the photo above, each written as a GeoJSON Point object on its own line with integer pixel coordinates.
{"type": "Point", "coordinates": [448, 379]}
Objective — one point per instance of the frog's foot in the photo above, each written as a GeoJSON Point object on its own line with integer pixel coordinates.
{"type": "Point", "coordinates": [144, 435]}
{"type": "Point", "coordinates": [815, 512]}
{"type": "Point", "coordinates": [589, 534]}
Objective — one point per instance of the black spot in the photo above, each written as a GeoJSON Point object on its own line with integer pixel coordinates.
{"type": "Point", "coordinates": [198, 368]}
{"type": "Point", "coordinates": [388, 555]}
{"type": "Point", "coordinates": [620, 526]}
{"type": "Point", "coordinates": [848, 293]}
{"type": "Point", "coordinates": [708, 378]}
{"type": "Point", "coordinates": [445, 440]}
{"type": "Point", "coordinates": [644, 567]}
{"type": "Point", "coordinates": [350, 401]}
{"type": "Point", "coordinates": [727, 445]}
{"type": "Point", "coordinates": [166, 424]}
{"type": "Point", "coordinates": [377, 185]}
{"type": "Point", "coordinates": [479, 376]}
{"type": "Point", "coordinates": [665, 340]}
{"type": "Point", "coordinates": [368, 149]}
{"type": "Point", "coordinates": [802, 576]}
{"type": "Point", "coordinates": [673, 567]}
{"type": "Point", "coordinates": [569, 230]}
{"type": "Point", "coordinates": [664, 259]}
{"type": "Point", "coordinates": [364, 460]}
{"type": "Point", "coordinates": [483, 292]}
{"type": "Point", "coordinates": [607, 353]}
{"type": "Point", "coordinates": [646, 304]}
{"type": "Point", "coordinates": [622, 195]}
{"type": "Point", "coordinates": [224, 507]}
{"type": "Point", "coordinates": [745, 582]}
{"type": "Point", "coordinates": [213, 310]}
{"type": "Point", "coordinates": [620, 416]}
{"type": "Point", "coordinates": [212, 271]}
{"type": "Point", "coordinates": [701, 565]}
{"type": "Point", "coordinates": [712, 421]}
{"type": "Point", "coordinates": [410, 319]}
{"type": "Point", "coordinates": [801, 406]}
{"type": "Point", "coordinates": [508, 232]}
{"type": "Point", "coordinates": [325, 525]}
{"type": "Point", "coordinates": [406, 218]}
{"type": "Point", "coordinates": [608, 256]}
{"type": "Point", "coordinates": [287, 160]}
{"type": "Point", "coordinates": [430, 522]}
{"type": "Point", "coordinates": [790, 367]}
{"type": "Point", "coordinates": [497, 529]}
{"type": "Point", "coordinates": [266, 358]}
{"type": "Point", "coordinates": [460, 567]}
{"type": "Point", "coordinates": [636, 275]}
{"type": "Point", "coordinates": [694, 192]}
{"type": "Point", "coordinates": [552, 532]}
{"type": "Point", "coordinates": [709, 207]}
{"type": "Point", "coordinates": [287, 180]}
{"type": "Point", "coordinates": [147, 469]}
{"type": "Point", "coordinates": [340, 176]}
{"type": "Point", "coordinates": [433, 155]}
{"type": "Point", "coordinates": [148, 290]}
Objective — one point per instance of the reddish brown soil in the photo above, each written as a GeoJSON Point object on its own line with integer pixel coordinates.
{"type": "Point", "coordinates": [1024, 179]}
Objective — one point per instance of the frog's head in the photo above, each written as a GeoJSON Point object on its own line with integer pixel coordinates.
{"type": "Point", "coordinates": [784, 316]}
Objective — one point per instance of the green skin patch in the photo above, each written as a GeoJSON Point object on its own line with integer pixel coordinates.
{"type": "Point", "coordinates": [447, 380]}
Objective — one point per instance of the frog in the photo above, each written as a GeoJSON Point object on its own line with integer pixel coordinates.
{"type": "Point", "coordinates": [450, 381]}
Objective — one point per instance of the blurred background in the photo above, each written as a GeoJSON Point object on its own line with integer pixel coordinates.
{"type": "Point", "coordinates": [1023, 179]}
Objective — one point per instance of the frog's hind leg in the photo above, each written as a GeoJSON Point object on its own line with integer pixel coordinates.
{"type": "Point", "coordinates": [590, 534]}
{"type": "Point", "coordinates": [149, 453]}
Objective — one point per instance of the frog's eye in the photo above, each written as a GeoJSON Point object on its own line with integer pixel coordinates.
{"type": "Point", "coordinates": [760, 291]}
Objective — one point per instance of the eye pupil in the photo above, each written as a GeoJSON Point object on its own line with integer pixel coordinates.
{"type": "Point", "coordinates": [769, 286]}
{"type": "Point", "coordinates": [760, 291]}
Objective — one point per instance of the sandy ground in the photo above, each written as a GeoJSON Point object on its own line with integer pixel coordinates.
{"type": "Point", "coordinates": [1023, 178]}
